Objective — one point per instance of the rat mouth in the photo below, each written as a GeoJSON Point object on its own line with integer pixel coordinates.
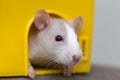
{"type": "Point", "coordinates": [69, 63]}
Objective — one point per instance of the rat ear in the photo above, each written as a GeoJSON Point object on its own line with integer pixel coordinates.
{"type": "Point", "coordinates": [41, 19]}
{"type": "Point", "coordinates": [77, 23]}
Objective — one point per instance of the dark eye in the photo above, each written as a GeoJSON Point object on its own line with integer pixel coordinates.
{"type": "Point", "coordinates": [58, 38]}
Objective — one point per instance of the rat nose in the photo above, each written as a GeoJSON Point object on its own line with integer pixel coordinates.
{"type": "Point", "coordinates": [76, 58]}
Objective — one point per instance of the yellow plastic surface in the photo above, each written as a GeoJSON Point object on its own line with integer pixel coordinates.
{"type": "Point", "coordinates": [16, 17]}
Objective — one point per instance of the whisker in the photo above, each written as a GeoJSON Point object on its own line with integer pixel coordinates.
{"type": "Point", "coordinates": [55, 65]}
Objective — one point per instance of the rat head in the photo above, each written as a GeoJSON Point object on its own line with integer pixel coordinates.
{"type": "Point", "coordinates": [58, 39]}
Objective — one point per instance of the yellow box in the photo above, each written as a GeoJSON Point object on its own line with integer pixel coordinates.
{"type": "Point", "coordinates": [16, 17]}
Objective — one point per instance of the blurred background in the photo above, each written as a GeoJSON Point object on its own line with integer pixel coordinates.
{"type": "Point", "coordinates": [106, 33]}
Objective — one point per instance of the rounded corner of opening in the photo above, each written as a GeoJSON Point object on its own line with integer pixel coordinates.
{"type": "Point", "coordinates": [57, 14]}
{"type": "Point", "coordinates": [29, 25]}
{"type": "Point", "coordinates": [26, 34]}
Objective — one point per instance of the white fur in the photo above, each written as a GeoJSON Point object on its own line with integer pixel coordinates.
{"type": "Point", "coordinates": [43, 49]}
{"type": "Point", "coordinates": [72, 43]}
{"type": "Point", "coordinates": [72, 38]}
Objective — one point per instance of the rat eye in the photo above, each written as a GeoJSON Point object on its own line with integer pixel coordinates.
{"type": "Point", "coordinates": [58, 38]}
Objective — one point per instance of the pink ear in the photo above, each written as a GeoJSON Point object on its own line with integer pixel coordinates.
{"type": "Point", "coordinates": [41, 19]}
{"type": "Point", "coordinates": [77, 24]}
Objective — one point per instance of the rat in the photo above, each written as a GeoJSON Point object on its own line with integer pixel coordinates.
{"type": "Point", "coordinates": [53, 42]}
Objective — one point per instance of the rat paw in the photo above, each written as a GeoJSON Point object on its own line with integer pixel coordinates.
{"type": "Point", "coordinates": [31, 72]}
{"type": "Point", "coordinates": [67, 71]}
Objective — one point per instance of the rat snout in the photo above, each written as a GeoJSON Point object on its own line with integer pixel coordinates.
{"type": "Point", "coordinates": [76, 58]}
